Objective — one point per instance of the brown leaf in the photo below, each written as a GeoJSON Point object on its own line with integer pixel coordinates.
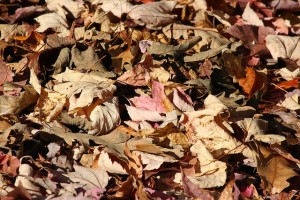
{"type": "Point", "coordinates": [253, 37]}
{"type": "Point", "coordinates": [274, 171]}
{"type": "Point", "coordinates": [135, 165]}
{"type": "Point", "coordinates": [227, 192]}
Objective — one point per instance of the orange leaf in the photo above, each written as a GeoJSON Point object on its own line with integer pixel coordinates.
{"type": "Point", "coordinates": [135, 164]}
{"type": "Point", "coordinates": [288, 84]}
{"type": "Point", "coordinates": [253, 82]}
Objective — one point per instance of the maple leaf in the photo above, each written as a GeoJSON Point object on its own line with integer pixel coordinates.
{"type": "Point", "coordinates": [159, 101]}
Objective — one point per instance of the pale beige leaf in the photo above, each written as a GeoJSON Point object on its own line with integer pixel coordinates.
{"type": "Point", "coordinates": [116, 7]}
{"type": "Point", "coordinates": [160, 74]}
{"type": "Point", "coordinates": [81, 89]}
{"type": "Point", "coordinates": [89, 178]}
{"type": "Point", "coordinates": [250, 16]}
{"type": "Point", "coordinates": [290, 103]}
{"type": "Point", "coordinates": [154, 15]}
{"type": "Point", "coordinates": [65, 7]}
{"type": "Point", "coordinates": [269, 138]}
{"type": "Point", "coordinates": [213, 172]}
{"type": "Point", "coordinates": [105, 163]}
{"type": "Point", "coordinates": [152, 161]}
{"type": "Point", "coordinates": [53, 21]}
{"type": "Point", "coordinates": [284, 46]}
{"type": "Point", "coordinates": [50, 104]}
{"type": "Point", "coordinates": [253, 126]}
{"type": "Point", "coordinates": [287, 74]}
{"type": "Point", "coordinates": [26, 171]}
{"type": "Point", "coordinates": [106, 117]}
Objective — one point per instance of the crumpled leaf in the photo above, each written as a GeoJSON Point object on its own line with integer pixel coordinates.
{"type": "Point", "coordinates": [106, 117]}
{"type": "Point", "coordinates": [15, 104]}
{"type": "Point", "coordinates": [253, 81]}
{"type": "Point", "coordinates": [81, 89]}
{"type": "Point", "coordinates": [116, 7]}
{"type": "Point", "coordinates": [203, 125]}
{"type": "Point", "coordinates": [53, 149]}
{"type": "Point", "coordinates": [253, 126]}
{"type": "Point", "coordinates": [88, 60]}
{"type": "Point", "coordinates": [135, 165]}
{"type": "Point", "coordinates": [253, 37]}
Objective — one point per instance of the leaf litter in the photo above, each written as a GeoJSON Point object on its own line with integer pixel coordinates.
{"type": "Point", "coordinates": [149, 99]}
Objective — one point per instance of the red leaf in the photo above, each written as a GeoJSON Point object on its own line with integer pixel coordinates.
{"type": "Point", "coordinates": [288, 84]}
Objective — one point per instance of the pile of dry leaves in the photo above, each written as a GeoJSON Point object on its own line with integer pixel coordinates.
{"type": "Point", "coordinates": [149, 99]}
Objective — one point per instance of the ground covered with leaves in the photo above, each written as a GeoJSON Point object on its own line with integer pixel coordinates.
{"type": "Point", "coordinates": [145, 99]}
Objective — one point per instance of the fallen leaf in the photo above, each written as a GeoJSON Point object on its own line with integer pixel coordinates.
{"type": "Point", "coordinates": [251, 17]}
{"type": "Point", "coordinates": [182, 101]}
{"type": "Point", "coordinates": [154, 15]}
{"type": "Point", "coordinates": [159, 101]}
{"type": "Point", "coordinates": [9, 164]}
{"type": "Point", "coordinates": [253, 37]}
{"type": "Point", "coordinates": [81, 89]}
{"type": "Point", "coordinates": [253, 82]}
{"type": "Point", "coordinates": [53, 21]}
{"type": "Point", "coordinates": [284, 46]}
{"type": "Point", "coordinates": [89, 178]}
{"type": "Point", "coordinates": [274, 171]}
